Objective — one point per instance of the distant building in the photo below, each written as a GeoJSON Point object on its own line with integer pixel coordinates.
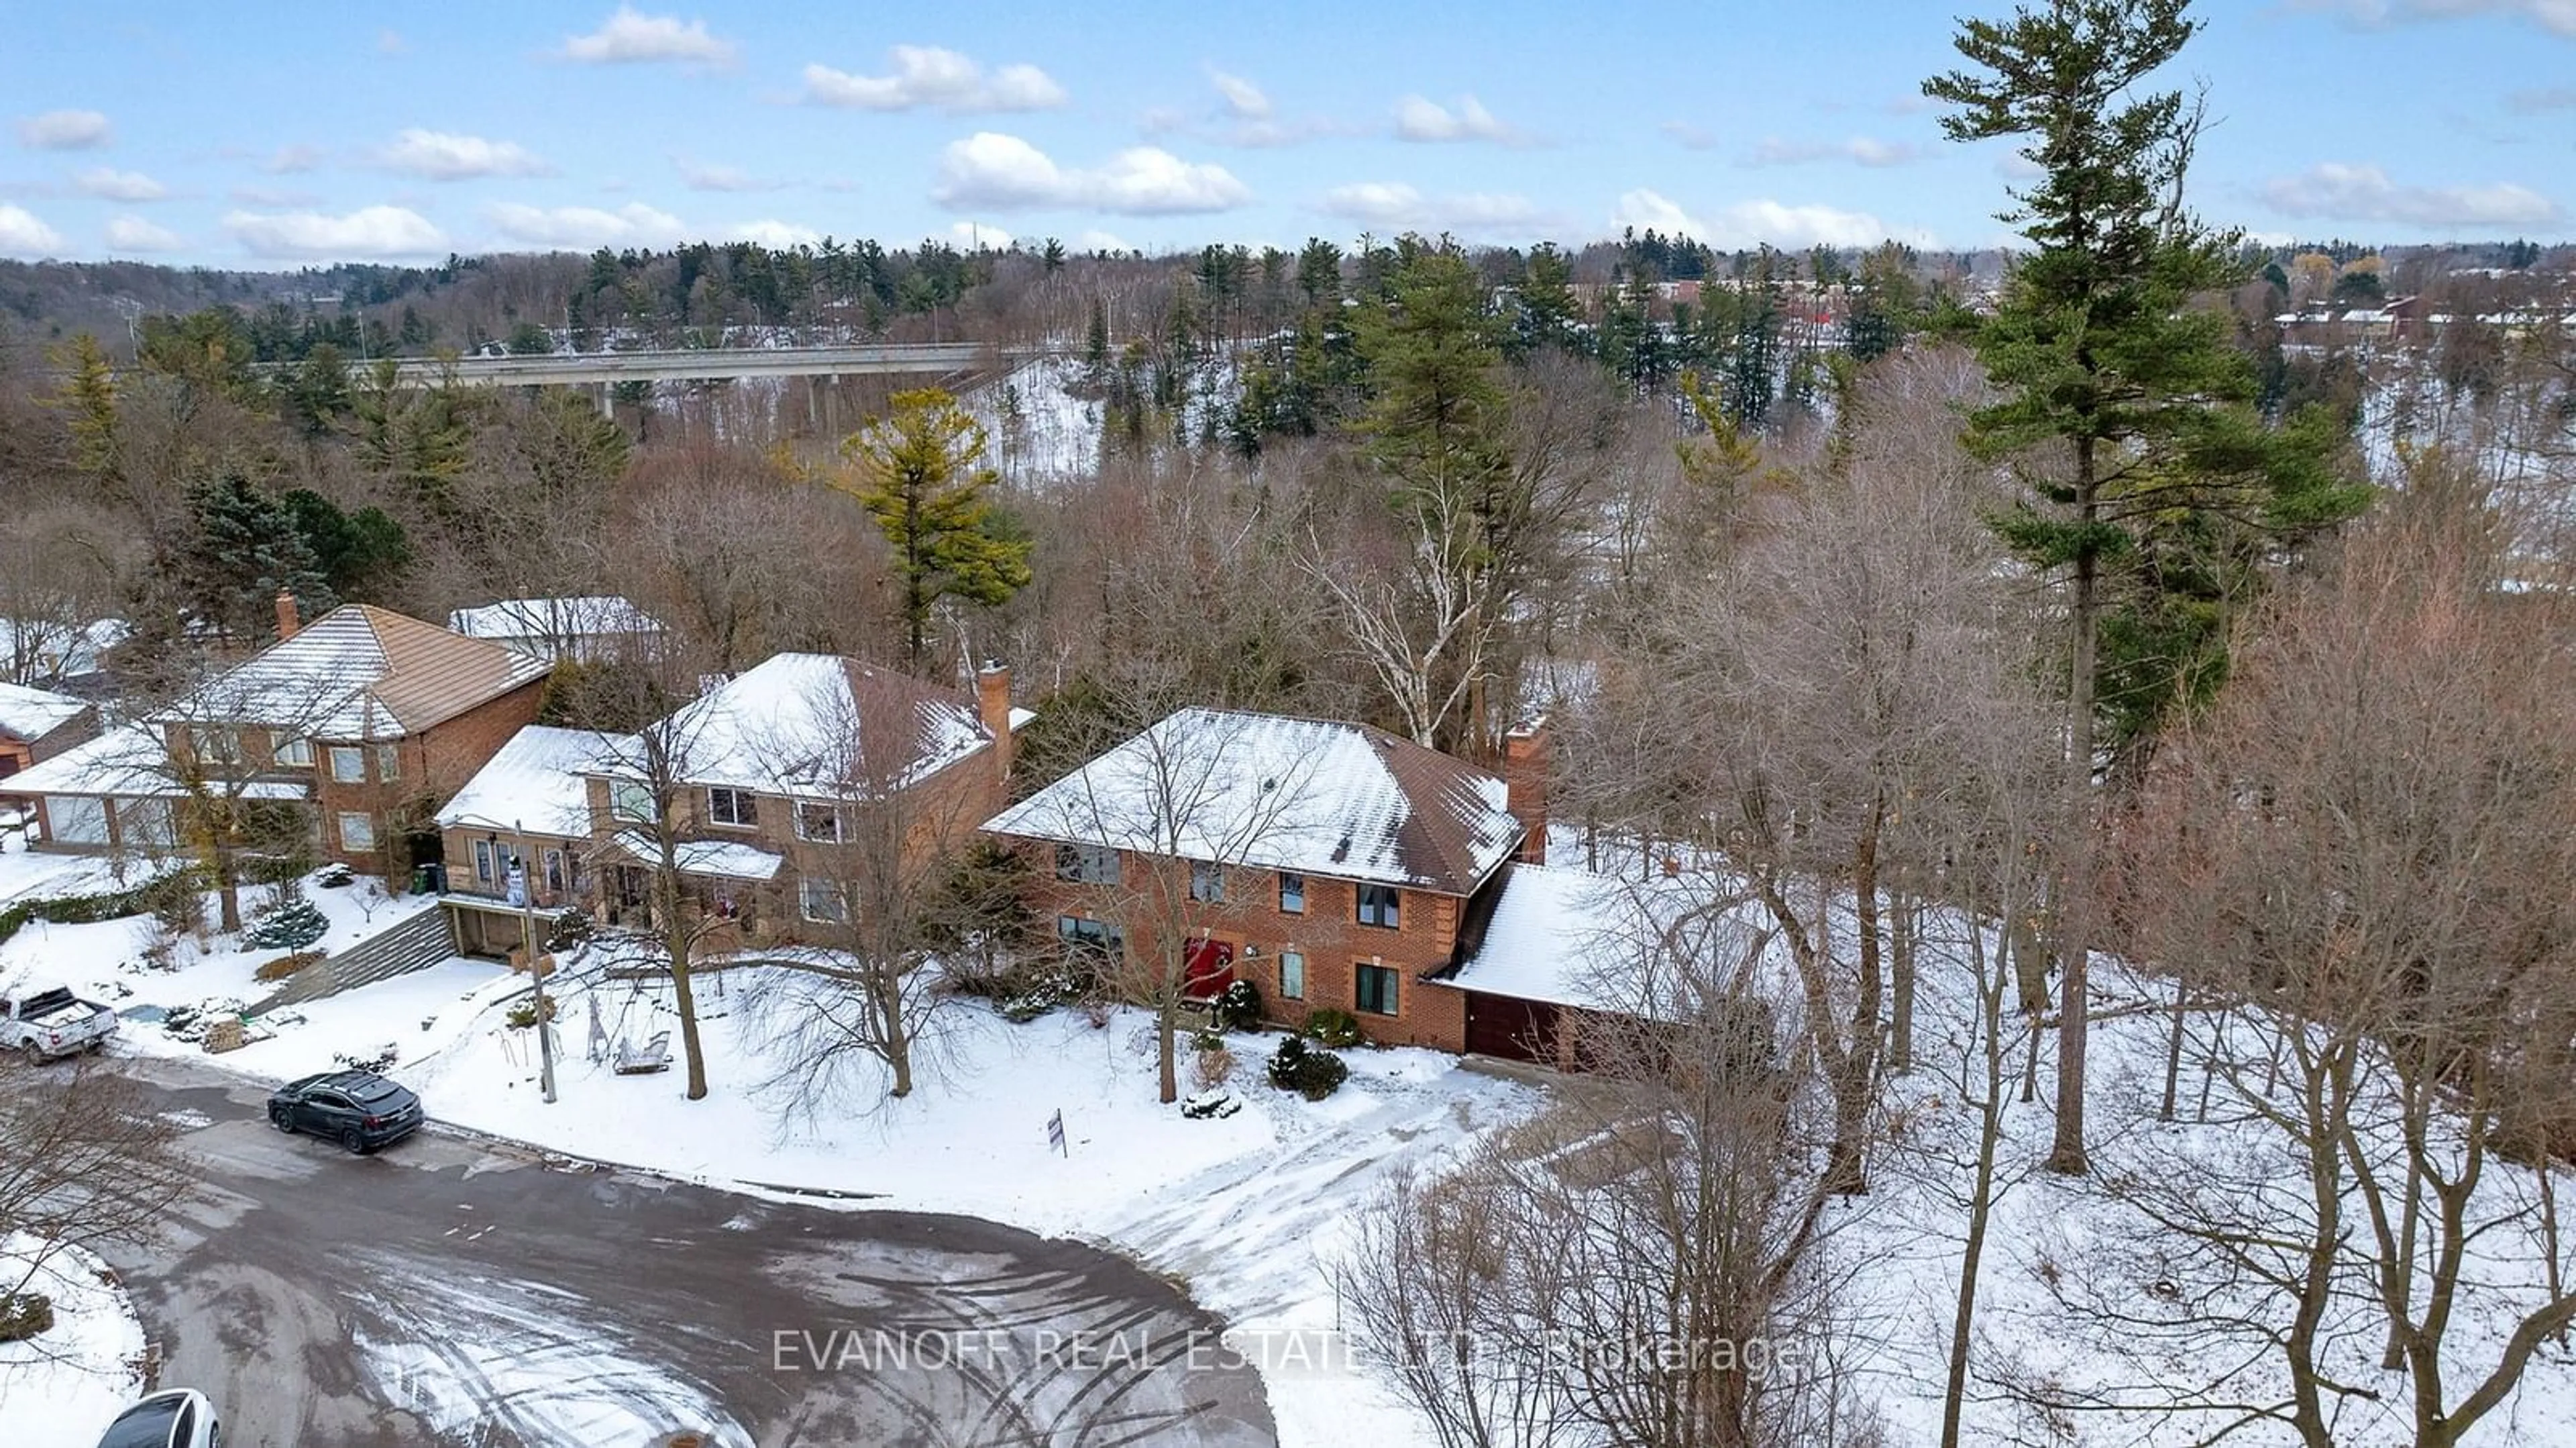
{"type": "Point", "coordinates": [586, 628]}
{"type": "Point", "coordinates": [36, 725]}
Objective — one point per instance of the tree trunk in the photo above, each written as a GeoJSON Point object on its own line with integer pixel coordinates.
{"type": "Point", "coordinates": [1902, 925]}
{"type": "Point", "coordinates": [1981, 1205]}
{"type": "Point", "coordinates": [688, 1003]}
{"type": "Point", "coordinates": [1166, 1012]}
{"type": "Point", "coordinates": [2066, 1153]}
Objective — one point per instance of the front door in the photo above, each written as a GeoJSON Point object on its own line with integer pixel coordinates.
{"type": "Point", "coordinates": [1208, 970]}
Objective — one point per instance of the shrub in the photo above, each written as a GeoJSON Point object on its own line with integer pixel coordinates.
{"type": "Point", "coordinates": [1309, 1071]}
{"type": "Point", "coordinates": [524, 1014]}
{"type": "Point", "coordinates": [24, 1315]}
{"type": "Point", "coordinates": [285, 965]}
{"type": "Point", "coordinates": [1239, 1009]}
{"type": "Point", "coordinates": [292, 926]}
{"type": "Point", "coordinates": [1207, 1041]}
{"type": "Point", "coordinates": [334, 876]}
{"type": "Point", "coordinates": [175, 901]}
{"type": "Point", "coordinates": [567, 930]}
{"type": "Point", "coordinates": [1329, 1027]}
{"type": "Point", "coordinates": [1214, 1068]}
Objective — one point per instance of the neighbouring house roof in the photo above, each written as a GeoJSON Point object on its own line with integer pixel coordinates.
{"type": "Point", "coordinates": [1307, 795]}
{"type": "Point", "coordinates": [59, 650]}
{"type": "Point", "coordinates": [361, 672]}
{"type": "Point", "coordinates": [719, 859]}
{"type": "Point", "coordinates": [31, 714]}
{"type": "Point", "coordinates": [1629, 947]}
{"type": "Point", "coordinates": [535, 782]}
{"type": "Point", "coordinates": [133, 763]}
{"type": "Point", "coordinates": [591, 615]}
{"type": "Point", "coordinates": [818, 726]}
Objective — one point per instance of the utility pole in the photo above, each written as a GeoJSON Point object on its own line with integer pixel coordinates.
{"type": "Point", "coordinates": [536, 970]}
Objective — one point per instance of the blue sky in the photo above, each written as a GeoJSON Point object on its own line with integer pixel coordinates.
{"type": "Point", "coordinates": [297, 133]}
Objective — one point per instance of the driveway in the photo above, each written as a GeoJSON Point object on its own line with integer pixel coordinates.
{"type": "Point", "coordinates": [451, 1291]}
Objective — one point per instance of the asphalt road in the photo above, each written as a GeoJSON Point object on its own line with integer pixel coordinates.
{"type": "Point", "coordinates": [450, 1292]}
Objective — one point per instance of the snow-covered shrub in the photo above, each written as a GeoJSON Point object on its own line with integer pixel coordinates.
{"type": "Point", "coordinates": [25, 1315]}
{"type": "Point", "coordinates": [1310, 1071]}
{"type": "Point", "coordinates": [334, 876]}
{"type": "Point", "coordinates": [293, 925]}
{"type": "Point", "coordinates": [1210, 1104]}
{"type": "Point", "coordinates": [1330, 1027]}
{"type": "Point", "coordinates": [524, 1014]}
{"type": "Point", "coordinates": [567, 930]}
{"type": "Point", "coordinates": [1213, 1068]}
{"type": "Point", "coordinates": [1239, 1009]}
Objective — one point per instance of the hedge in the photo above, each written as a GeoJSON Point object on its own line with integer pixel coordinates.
{"type": "Point", "coordinates": [91, 909]}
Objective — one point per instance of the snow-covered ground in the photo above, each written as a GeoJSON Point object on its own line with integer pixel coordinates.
{"type": "Point", "coordinates": [60, 1388]}
{"type": "Point", "coordinates": [1041, 434]}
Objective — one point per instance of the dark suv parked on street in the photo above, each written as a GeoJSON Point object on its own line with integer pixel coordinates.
{"type": "Point", "coordinates": [358, 1109]}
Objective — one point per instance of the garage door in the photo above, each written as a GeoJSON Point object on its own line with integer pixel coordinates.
{"type": "Point", "coordinates": [1515, 1030]}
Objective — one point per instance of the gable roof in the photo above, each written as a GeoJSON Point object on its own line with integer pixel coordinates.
{"type": "Point", "coordinates": [582, 615]}
{"type": "Point", "coordinates": [362, 672]}
{"type": "Point", "coordinates": [820, 726]}
{"type": "Point", "coordinates": [31, 714]}
{"type": "Point", "coordinates": [132, 762]}
{"type": "Point", "coordinates": [1569, 937]}
{"type": "Point", "coordinates": [536, 781]}
{"type": "Point", "coordinates": [1313, 796]}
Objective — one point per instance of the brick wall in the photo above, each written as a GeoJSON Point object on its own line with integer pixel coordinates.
{"type": "Point", "coordinates": [1327, 933]}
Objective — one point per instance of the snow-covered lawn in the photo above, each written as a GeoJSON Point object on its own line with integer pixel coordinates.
{"type": "Point", "coordinates": [60, 1388]}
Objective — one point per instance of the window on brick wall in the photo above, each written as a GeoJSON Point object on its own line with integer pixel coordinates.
{"type": "Point", "coordinates": [288, 750]}
{"type": "Point", "coordinates": [1292, 893]}
{"type": "Point", "coordinates": [1292, 975]}
{"type": "Point", "coordinates": [1207, 882]}
{"type": "Point", "coordinates": [1373, 990]}
{"type": "Point", "coordinates": [630, 801]}
{"type": "Point", "coordinates": [348, 764]}
{"type": "Point", "coordinates": [357, 830]}
{"type": "Point", "coordinates": [1380, 904]}
{"type": "Point", "coordinates": [732, 807]}
{"type": "Point", "coordinates": [1089, 864]}
{"type": "Point", "coordinates": [388, 762]}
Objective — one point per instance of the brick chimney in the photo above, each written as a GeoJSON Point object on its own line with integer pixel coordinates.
{"type": "Point", "coordinates": [1525, 768]}
{"type": "Point", "coordinates": [993, 705]}
{"type": "Point", "coordinates": [287, 620]}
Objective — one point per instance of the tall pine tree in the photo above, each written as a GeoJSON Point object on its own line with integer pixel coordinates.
{"type": "Point", "coordinates": [920, 473]}
{"type": "Point", "coordinates": [2122, 402]}
{"type": "Point", "coordinates": [247, 547]}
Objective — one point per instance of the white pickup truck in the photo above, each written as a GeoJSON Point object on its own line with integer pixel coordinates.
{"type": "Point", "coordinates": [42, 1021]}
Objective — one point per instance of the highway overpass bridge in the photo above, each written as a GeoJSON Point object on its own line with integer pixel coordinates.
{"type": "Point", "coordinates": [602, 369]}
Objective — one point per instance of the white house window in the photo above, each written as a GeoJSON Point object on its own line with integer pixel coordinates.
{"type": "Point", "coordinates": [823, 904]}
{"type": "Point", "coordinates": [1089, 864]}
{"type": "Point", "coordinates": [289, 750]}
{"type": "Point", "coordinates": [357, 830]}
{"type": "Point", "coordinates": [348, 764]}
{"type": "Point", "coordinates": [72, 820]}
{"type": "Point", "coordinates": [630, 801]}
{"type": "Point", "coordinates": [1379, 905]}
{"type": "Point", "coordinates": [555, 876]}
{"type": "Point", "coordinates": [483, 862]}
{"type": "Point", "coordinates": [732, 807]}
{"type": "Point", "coordinates": [820, 822]}
{"type": "Point", "coordinates": [388, 762]}
{"type": "Point", "coordinates": [145, 823]}
{"type": "Point", "coordinates": [1292, 893]}
{"type": "Point", "coordinates": [1292, 975]}
{"type": "Point", "coordinates": [1207, 882]}
{"type": "Point", "coordinates": [215, 743]}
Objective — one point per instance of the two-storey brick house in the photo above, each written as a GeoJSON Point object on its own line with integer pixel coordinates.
{"type": "Point", "coordinates": [354, 727]}
{"type": "Point", "coordinates": [771, 780]}
{"type": "Point", "coordinates": [1332, 864]}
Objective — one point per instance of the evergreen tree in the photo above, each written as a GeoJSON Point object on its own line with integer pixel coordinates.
{"type": "Point", "coordinates": [87, 401]}
{"type": "Point", "coordinates": [357, 553]}
{"type": "Point", "coordinates": [1549, 314]}
{"type": "Point", "coordinates": [246, 548]}
{"type": "Point", "coordinates": [2098, 353]}
{"type": "Point", "coordinates": [920, 473]}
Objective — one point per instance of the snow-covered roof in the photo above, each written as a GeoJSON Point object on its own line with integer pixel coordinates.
{"type": "Point", "coordinates": [591, 615]}
{"type": "Point", "coordinates": [535, 782]}
{"type": "Point", "coordinates": [56, 649]}
{"type": "Point", "coordinates": [132, 763]}
{"type": "Point", "coordinates": [31, 714]}
{"type": "Point", "coordinates": [819, 726]}
{"type": "Point", "coordinates": [361, 672]}
{"type": "Point", "coordinates": [1573, 938]}
{"type": "Point", "coordinates": [721, 859]}
{"type": "Point", "coordinates": [1313, 796]}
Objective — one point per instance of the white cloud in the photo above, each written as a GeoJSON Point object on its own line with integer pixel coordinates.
{"type": "Point", "coordinates": [775, 235]}
{"type": "Point", "coordinates": [708, 176]}
{"type": "Point", "coordinates": [1417, 119]}
{"type": "Point", "coordinates": [2340, 192]}
{"type": "Point", "coordinates": [1004, 173]}
{"type": "Point", "coordinates": [280, 197]}
{"type": "Point", "coordinates": [631, 38]}
{"type": "Point", "coordinates": [289, 159]}
{"type": "Point", "coordinates": [1752, 223]}
{"type": "Point", "coordinates": [927, 77]}
{"type": "Point", "coordinates": [1394, 206]}
{"type": "Point", "coordinates": [1099, 241]}
{"type": "Point", "coordinates": [21, 234]}
{"type": "Point", "coordinates": [444, 156]}
{"type": "Point", "coordinates": [114, 185]}
{"type": "Point", "coordinates": [65, 131]}
{"type": "Point", "coordinates": [1860, 150]}
{"type": "Point", "coordinates": [1243, 100]}
{"type": "Point", "coordinates": [2538, 102]}
{"type": "Point", "coordinates": [371, 231]}
{"type": "Point", "coordinates": [391, 42]}
{"type": "Point", "coordinates": [1697, 138]}
{"type": "Point", "coordinates": [584, 228]}
{"type": "Point", "coordinates": [2555, 16]}
{"type": "Point", "coordinates": [133, 233]}
{"type": "Point", "coordinates": [976, 236]}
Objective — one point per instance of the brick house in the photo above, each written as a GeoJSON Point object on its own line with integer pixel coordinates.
{"type": "Point", "coordinates": [37, 724]}
{"type": "Point", "coordinates": [360, 723]}
{"type": "Point", "coordinates": [770, 778]}
{"type": "Point", "coordinates": [1331, 864]}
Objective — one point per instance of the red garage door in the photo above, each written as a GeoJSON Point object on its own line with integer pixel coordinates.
{"type": "Point", "coordinates": [1515, 1030]}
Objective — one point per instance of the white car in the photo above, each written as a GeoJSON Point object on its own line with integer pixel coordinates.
{"type": "Point", "coordinates": [172, 1418]}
